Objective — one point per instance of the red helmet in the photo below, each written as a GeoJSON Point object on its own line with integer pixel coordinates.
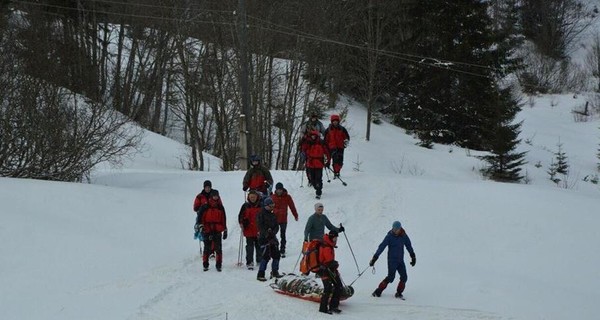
{"type": "Point", "coordinates": [335, 117]}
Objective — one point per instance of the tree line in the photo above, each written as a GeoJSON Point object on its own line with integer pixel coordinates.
{"type": "Point", "coordinates": [438, 69]}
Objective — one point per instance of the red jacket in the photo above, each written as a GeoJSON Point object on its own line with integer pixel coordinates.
{"type": "Point", "coordinates": [255, 178]}
{"type": "Point", "coordinates": [202, 199]}
{"type": "Point", "coordinates": [335, 136]}
{"type": "Point", "coordinates": [212, 216]}
{"type": "Point", "coordinates": [317, 154]}
{"type": "Point", "coordinates": [282, 202]}
{"type": "Point", "coordinates": [247, 218]}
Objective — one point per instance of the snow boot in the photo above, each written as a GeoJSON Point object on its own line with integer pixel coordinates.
{"type": "Point", "coordinates": [250, 266]}
{"type": "Point", "coordinates": [325, 311]}
{"type": "Point", "coordinates": [335, 310]}
{"type": "Point", "coordinates": [261, 276]}
{"type": "Point", "coordinates": [399, 295]}
{"type": "Point", "coordinates": [276, 274]}
{"type": "Point", "coordinates": [205, 265]}
{"type": "Point", "coordinates": [376, 293]}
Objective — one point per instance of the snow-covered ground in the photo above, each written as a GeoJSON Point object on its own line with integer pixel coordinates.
{"type": "Point", "coordinates": [122, 247]}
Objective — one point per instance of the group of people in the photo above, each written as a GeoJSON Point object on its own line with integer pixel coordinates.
{"type": "Point", "coordinates": [264, 215]}
{"type": "Point", "coordinates": [320, 147]}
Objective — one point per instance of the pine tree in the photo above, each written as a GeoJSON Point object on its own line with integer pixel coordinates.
{"type": "Point", "coordinates": [504, 163]}
{"type": "Point", "coordinates": [458, 99]}
{"type": "Point", "coordinates": [562, 166]}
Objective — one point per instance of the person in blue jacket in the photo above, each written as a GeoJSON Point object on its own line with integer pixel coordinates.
{"type": "Point", "coordinates": [395, 240]}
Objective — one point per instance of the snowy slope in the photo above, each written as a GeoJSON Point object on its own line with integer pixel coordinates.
{"type": "Point", "coordinates": [122, 247]}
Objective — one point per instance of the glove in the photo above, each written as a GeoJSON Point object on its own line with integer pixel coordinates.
{"type": "Point", "coordinates": [372, 262]}
{"type": "Point", "coordinates": [328, 164]}
{"type": "Point", "coordinates": [413, 261]}
{"type": "Point", "coordinates": [346, 143]}
{"type": "Point", "coordinates": [245, 188]}
{"type": "Point", "coordinates": [225, 234]}
{"type": "Point", "coordinates": [198, 228]}
{"type": "Point", "coordinates": [296, 218]}
{"type": "Point", "coordinates": [341, 228]}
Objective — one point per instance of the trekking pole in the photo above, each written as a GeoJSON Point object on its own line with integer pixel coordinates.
{"type": "Point", "coordinates": [239, 263]}
{"type": "Point", "coordinates": [327, 174]}
{"type": "Point", "coordinates": [297, 260]}
{"type": "Point", "coordinates": [342, 181]}
{"type": "Point", "coordinates": [353, 256]}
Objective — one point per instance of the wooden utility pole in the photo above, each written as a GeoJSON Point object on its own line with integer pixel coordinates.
{"type": "Point", "coordinates": [246, 117]}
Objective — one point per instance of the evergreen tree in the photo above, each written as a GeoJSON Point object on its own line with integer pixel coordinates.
{"type": "Point", "coordinates": [562, 166]}
{"type": "Point", "coordinates": [455, 100]}
{"type": "Point", "coordinates": [504, 163]}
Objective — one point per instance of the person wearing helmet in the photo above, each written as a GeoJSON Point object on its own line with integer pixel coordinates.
{"type": "Point", "coordinates": [395, 240]}
{"type": "Point", "coordinates": [257, 177]}
{"type": "Point", "coordinates": [336, 139]}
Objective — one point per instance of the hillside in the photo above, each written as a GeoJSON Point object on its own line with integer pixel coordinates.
{"type": "Point", "coordinates": [122, 247]}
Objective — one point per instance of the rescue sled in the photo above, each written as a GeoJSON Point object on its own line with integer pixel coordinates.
{"type": "Point", "coordinates": [305, 288]}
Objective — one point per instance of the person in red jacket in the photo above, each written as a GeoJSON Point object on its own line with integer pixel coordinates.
{"type": "Point", "coordinates": [317, 157]}
{"type": "Point", "coordinates": [283, 200]}
{"type": "Point", "coordinates": [336, 139]}
{"type": "Point", "coordinates": [328, 270]}
{"type": "Point", "coordinates": [212, 222]}
{"type": "Point", "coordinates": [257, 177]}
{"type": "Point", "coordinates": [247, 220]}
{"type": "Point", "coordinates": [202, 197]}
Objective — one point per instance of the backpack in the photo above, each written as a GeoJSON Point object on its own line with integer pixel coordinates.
{"type": "Point", "coordinates": [310, 257]}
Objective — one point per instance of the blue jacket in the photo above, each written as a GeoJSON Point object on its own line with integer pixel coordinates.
{"type": "Point", "coordinates": [395, 244]}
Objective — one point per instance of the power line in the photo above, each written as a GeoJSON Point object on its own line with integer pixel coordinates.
{"type": "Point", "coordinates": [389, 53]}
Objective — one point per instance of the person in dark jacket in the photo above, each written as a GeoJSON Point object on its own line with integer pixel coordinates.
{"type": "Point", "coordinates": [267, 238]}
{"type": "Point", "coordinates": [212, 222]}
{"type": "Point", "coordinates": [283, 200]}
{"type": "Point", "coordinates": [328, 270]}
{"type": "Point", "coordinates": [257, 177]}
{"type": "Point", "coordinates": [247, 220]}
{"type": "Point", "coordinates": [336, 139]}
{"type": "Point", "coordinates": [395, 241]}
{"type": "Point", "coordinates": [316, 223]}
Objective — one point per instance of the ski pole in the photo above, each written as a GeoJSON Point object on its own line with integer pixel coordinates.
{"type": "Point", "coordinates": [349, 246]}
{"type": "Point", "coordinates": [297, 260]}
{"type": "Point", "coordinates": [327, 174]}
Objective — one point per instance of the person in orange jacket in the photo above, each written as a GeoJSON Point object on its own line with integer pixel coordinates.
{"type": "Point", "coordinates": [317, 157]}
{"type": "Point", "coordinates": [328, 270]}
{"type": "Point", "coordinates": [283, 200]}
{"type": "Point", "coordinates": [336, 139]}
{"type": "Point", "coordinates": [247, 219]}
{"type": "Point", "coordinates": [212, 222]}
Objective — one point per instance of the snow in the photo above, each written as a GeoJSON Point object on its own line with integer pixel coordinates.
{"type": "Point", "coordinates": [122, 246]}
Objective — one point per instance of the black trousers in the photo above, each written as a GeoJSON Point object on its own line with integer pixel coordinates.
{"type": "Point", "coordinates": [316, 178]}
{"type": "Point", "coordinates": [332, 287]}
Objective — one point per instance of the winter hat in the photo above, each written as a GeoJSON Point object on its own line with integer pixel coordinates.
{"type": "Point", "coordinates": [268, 202]}
{"type": "Point", "coordinates": [396, 225]}
{"type": "Point", "coordinates": [334, 117]}
{"type": "Point", "coordinates": [207, 183]}
{"type": "Point", "coordinates": [278, 186]}
{"type": "Point", "coordinates": [214, 192]}
{"type": "Point", "coordinates": [318, 205]}
{"type": "Point", "coordinates": [254, 157]}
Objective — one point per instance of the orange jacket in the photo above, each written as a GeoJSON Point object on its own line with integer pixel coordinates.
{"type": "Point", "coordinates": [327, 257]}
